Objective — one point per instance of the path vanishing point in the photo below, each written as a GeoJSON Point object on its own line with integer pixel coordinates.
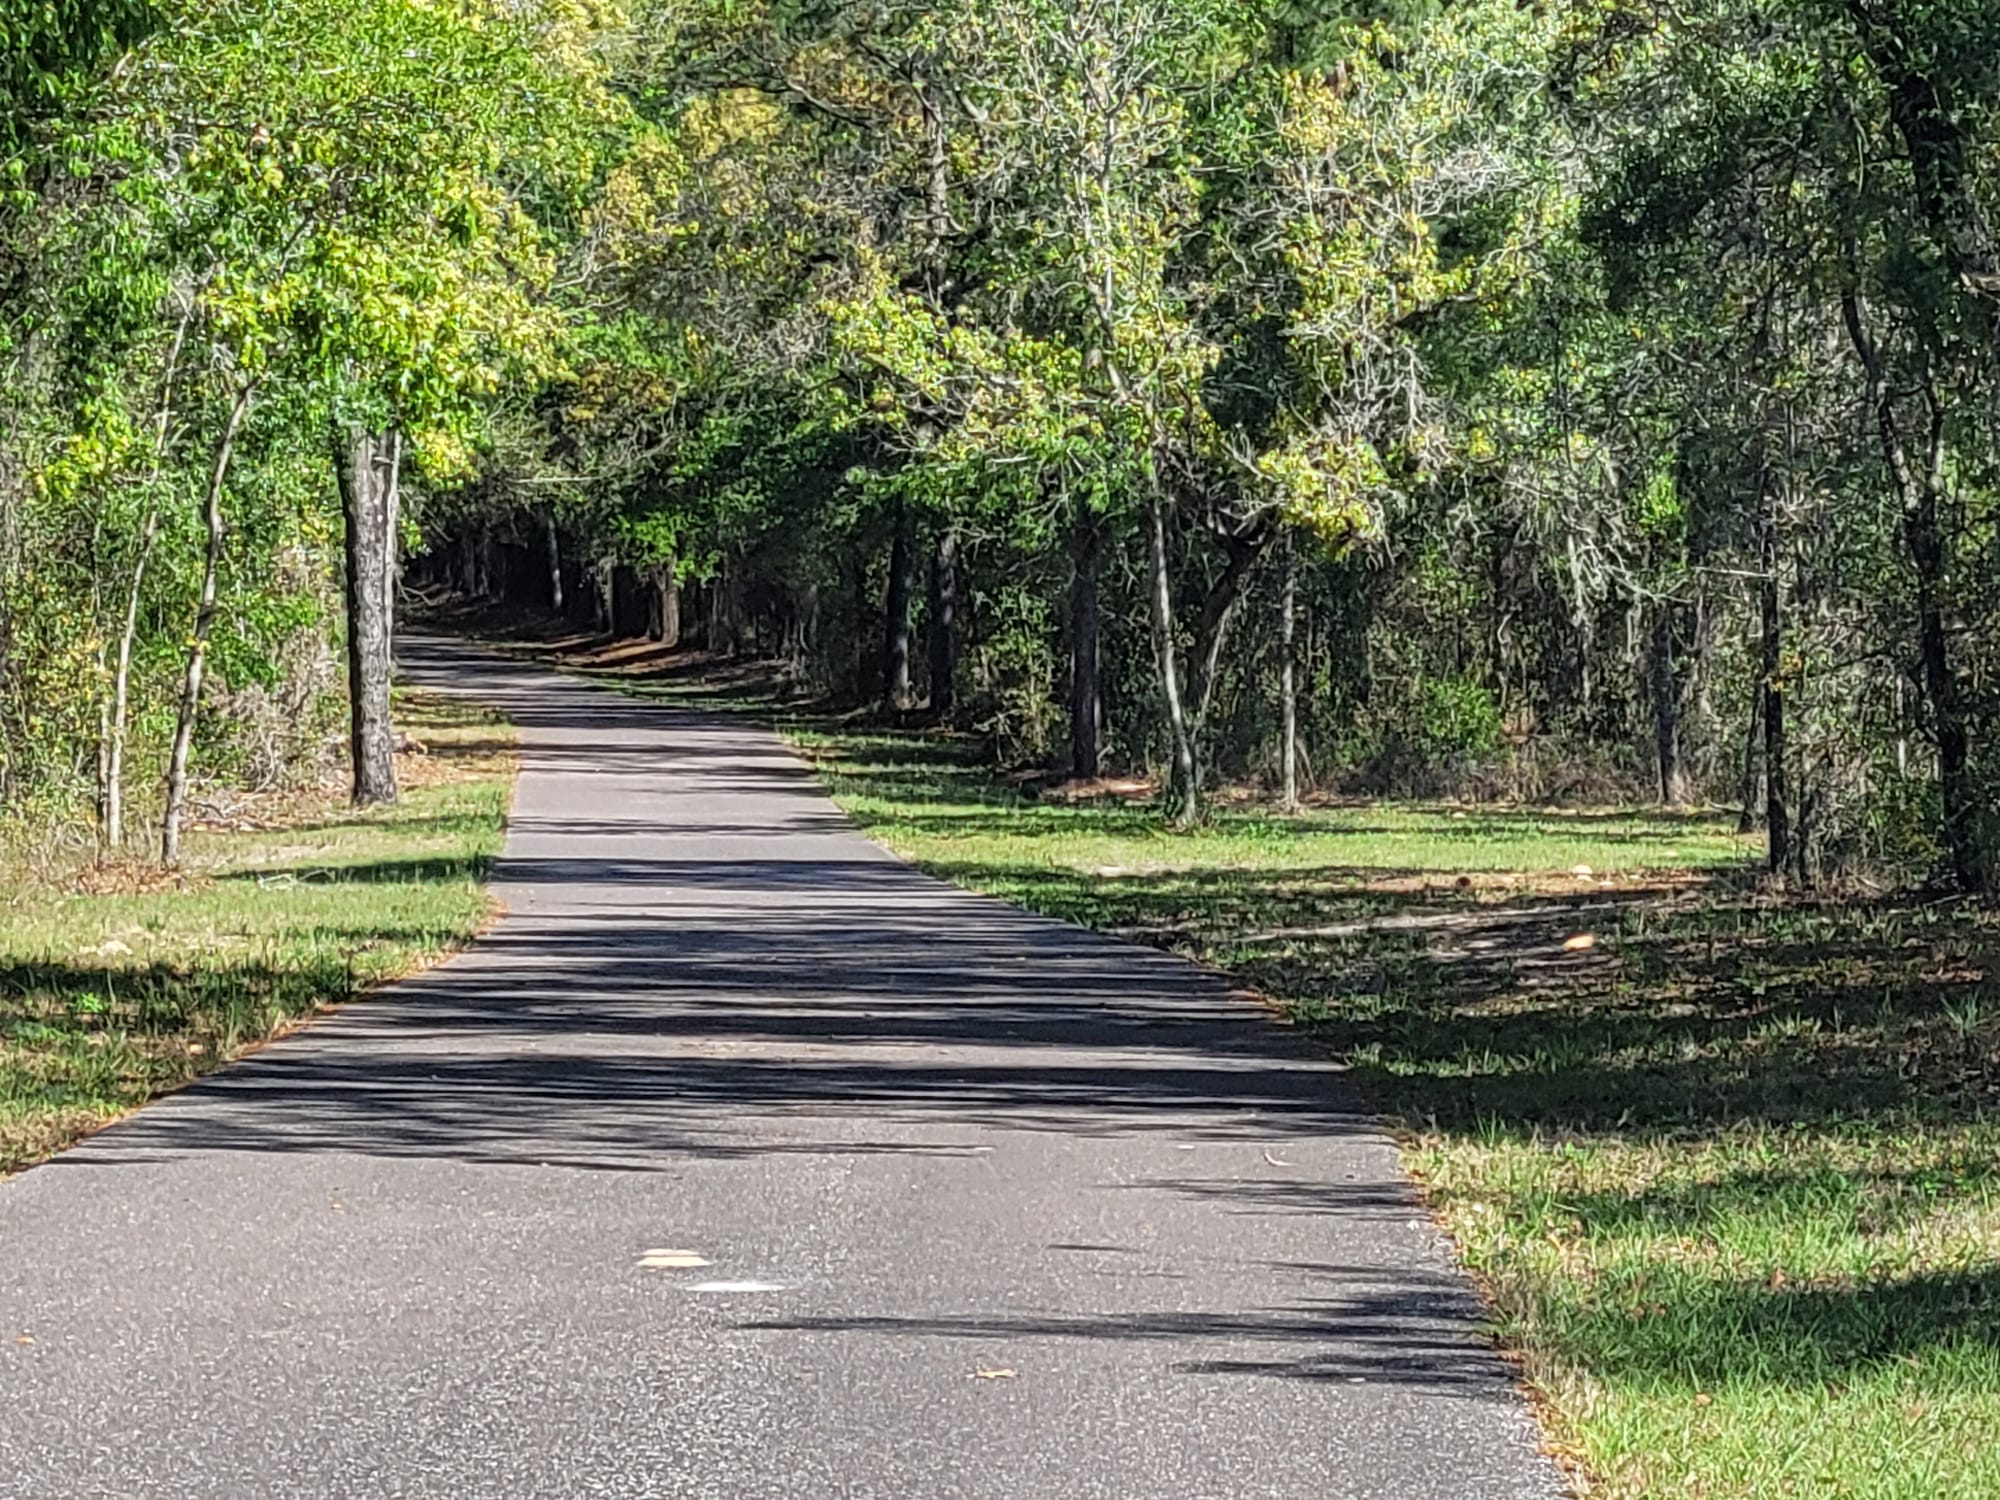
{"type": "Point", "coordinates": [740, 1160]}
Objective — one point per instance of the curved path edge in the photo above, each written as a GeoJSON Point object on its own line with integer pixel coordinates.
{"type": "Point", "coordinates": [741, 1159]}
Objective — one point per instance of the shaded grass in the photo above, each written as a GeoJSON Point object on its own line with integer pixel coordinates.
{"type": "Point", "coordinates": [117, 984]}
{"type": "Point", "coordinates": [1728, 1167]}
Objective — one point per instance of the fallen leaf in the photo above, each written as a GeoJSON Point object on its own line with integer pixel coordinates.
{"type": "Point", "coordinates": [1580, 943]}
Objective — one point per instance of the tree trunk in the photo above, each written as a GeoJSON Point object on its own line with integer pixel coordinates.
{"type": "Point", "coordinates": [1218, 611]}
{"type": "Point", "coordinates": [367, 468]}
{"type": "Point", "coordinates": [121, 688]}
{"type": "Point", "coordinates": [1957, 791]}
{"type": "Point", "coordinates": [1086, 648]}
{"type": "Point", "coordinates": [1288, 683]}
{"type": "Point", "coordinates": [554, 540]}
{"type": "Point", "coordinates": [1183, 800]}
{"type": "Point", "coordinates": [485, 563]}
{"type": "Point", "coordinates": [149, 535]}
{"type": "Point", "coordinates": [1921, 492]}
{"type": "Point", "coordinates": [1666, 707]}
{"type": "Point", "coordinates": [204, 622]}
{"type": "Point", "coordinates": [667, 583]}
{"type": "Point", "coordinates": [1777, 813]}
{"type": "Point", "coordinates": [944, 624]}
{"type": "Point", "coordinates": [392, 541]}
{"type": "Point", "coordinates": [1753, 780]}
{"type": "Point", "coordinates": [719, 642]}
{"type": "Point", "coordinates": [607, 594]}
{"type": "Point", "coordinates": [896, 613]}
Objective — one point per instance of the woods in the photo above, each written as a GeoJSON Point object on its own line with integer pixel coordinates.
{"type": "Point", "coordinates": [1559, 402]}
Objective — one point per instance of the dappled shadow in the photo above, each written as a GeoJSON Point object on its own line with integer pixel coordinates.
{"type": "Point", "coordinates": [1412, 1334]}
{"type": "Point", "coordinates": [1634, 1011]}
{"type": "Point", "coordinates": [635, 1038]}
{"type": "Point", "coordinates": [1555, 1011]}
{"type": "Point", "coordinates": [371, 872]}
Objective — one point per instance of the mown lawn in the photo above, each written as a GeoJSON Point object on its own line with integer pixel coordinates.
{"type": "Point", "coordinates": [1728, 1168]}
{"type": "Point", "coordinates": [118, 984]}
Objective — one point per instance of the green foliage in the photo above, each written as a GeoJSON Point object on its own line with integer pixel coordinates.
{"type": "Point", "coordinates": [318, 212]}
{"type": "Point", "coordinates": [49, 47]}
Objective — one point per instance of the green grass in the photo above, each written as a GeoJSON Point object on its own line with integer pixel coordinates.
{"type": "Point", "coordinates": [118, 984]}
{"type": "Point", "coordinates": [1729, 1169]}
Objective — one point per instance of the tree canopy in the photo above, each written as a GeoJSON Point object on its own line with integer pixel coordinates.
{"type": "Point", "coordinates": [1546, 401]}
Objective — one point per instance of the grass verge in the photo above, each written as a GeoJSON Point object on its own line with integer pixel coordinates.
{"type": "Point", "coordinates": [118, 984]}
{"type": "Point", "coordinates": [1728, 1167]}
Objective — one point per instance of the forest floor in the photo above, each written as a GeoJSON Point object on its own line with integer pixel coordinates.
{"type": "Point", "coordinates": [119, 982]}
{"type": "Point", "coordinates": [1728, 1167]}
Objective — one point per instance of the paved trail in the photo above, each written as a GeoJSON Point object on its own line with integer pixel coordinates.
{"type": "Point", "coordinates": [991, 1208]}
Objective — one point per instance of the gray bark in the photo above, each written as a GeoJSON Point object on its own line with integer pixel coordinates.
{"type": "Point", "coordinates": [1288, 682]}
{"type": "Point", "coordinates": [1183, 799]}
{"type": "Point", "coordinates": [670, 606]}
{"type": "Point", "coordinates": [944, 624]}
{"type": "Point", "coordinates": [1771, 623]}
{"type": "Point", "coordinates": [204, 622]}
{"type": "Point", "coordinates": [1666, 707]}
{"type": "Point", "coordinates": [554, 540]}
{"type": "Point", "coordinates": [368, 491]}
{"type": "Point", "coordinates": [607, 594]}
{"type": "Point", "coordinates": [1086, 649]}
{"type": "Point", "coordinates": [896, 613]}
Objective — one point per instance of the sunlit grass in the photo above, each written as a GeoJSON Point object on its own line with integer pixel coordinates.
{"type": "Point", "coordinates": [1726, 1167]}
{"type": "Point", "coordinates": [117, 984]}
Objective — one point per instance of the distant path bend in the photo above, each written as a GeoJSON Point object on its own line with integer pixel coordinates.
{"type": "Point", "coordinates": [743, 1161]}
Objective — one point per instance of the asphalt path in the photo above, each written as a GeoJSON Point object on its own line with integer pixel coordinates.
{"type": "Point", "coordinates": [742, 1160]}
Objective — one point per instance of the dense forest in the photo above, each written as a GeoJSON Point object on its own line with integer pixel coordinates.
{"type": "Point", "coordinates": [1563, 400]}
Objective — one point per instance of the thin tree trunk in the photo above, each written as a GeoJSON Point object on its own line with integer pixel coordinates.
{"type": "Point", "coordinates": [1086, 648]}
{"type": "Point", "coordinates": [367, 465]}
{"type": "Point", "coordinates": [1920, 494]}
{"type": "Point", "coordinates": [1753, 780]}
{"type": "Point", "coordinates": [607, 594]}
{"type": "Point", "coordinates": [485, 556]}
{"type": "Point", "coordinates": [1218, 612]}
{"type": "Point", "coordinates": [896, 613]}
{"type": "Point", "coordinates": [1777, 812]}
{"type": "Point", "coordinates": [149, 535]}
{"type": "Point", "coordinates": [669, 586]}
{"type": "Point", "coordinates": [944, 624]}
{"type": "Point", "coordinates": [204, 622]}
{"type": "Point", "coordinates": [392, 541]}
{"type": "Point", "coordinates": [1666, 707]}
{"type": "Point", "coordinates": [1288, 683]}
{"type": "Point", "coordinates": [121, 688]}
{"type": "Point", "coordinates": [729, 599]}
{"type": "Point", "coordinates": [1183, 784]}
{"type": "Point", "coordinates": [553, 538]}
{"type": "Point", "coordinates": [1956, 789]}
{"type": "Point", "coordinates": [805, 632]}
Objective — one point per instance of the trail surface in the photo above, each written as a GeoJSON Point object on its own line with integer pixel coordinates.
{"type": "Point", "coordinates": [741, 1160]}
